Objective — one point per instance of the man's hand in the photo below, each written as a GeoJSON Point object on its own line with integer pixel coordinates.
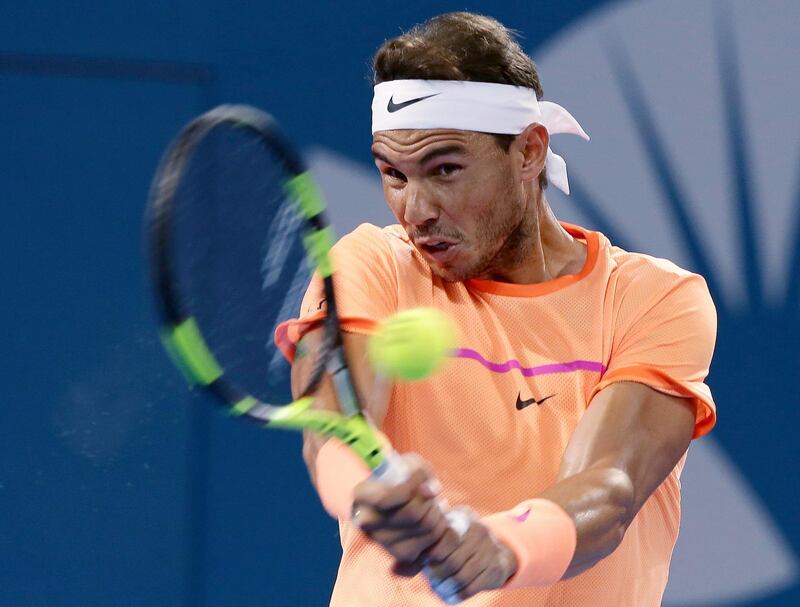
{"type": "Point", "coordinates": [408, 521]}
{"type": "Point", "coordinates": [478, 562]}
{"type": "Point", "coordinates": [404, 518]}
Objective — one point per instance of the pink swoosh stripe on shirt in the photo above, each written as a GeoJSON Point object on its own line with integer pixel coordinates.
{"type": "Point", "coordinates": [575, 365]}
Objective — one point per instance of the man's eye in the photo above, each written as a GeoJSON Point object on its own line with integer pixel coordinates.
{"type": "Point", "coordinates": [394, 174]}
{"type": "Point", "coordinates": [445, 170]}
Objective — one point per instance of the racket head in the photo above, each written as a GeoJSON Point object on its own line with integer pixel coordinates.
{"type": "Point", "coordinates": [234, 225]}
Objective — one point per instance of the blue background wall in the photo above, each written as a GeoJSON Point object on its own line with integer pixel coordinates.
{"type": "Point", "coordinates": [115, 489]}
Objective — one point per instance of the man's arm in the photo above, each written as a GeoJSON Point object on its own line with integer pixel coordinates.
{"type": "Point", "coordinates": [625, 445]}
{"type": "Point", "coordinates": [374, 397]}
{"type": "Point", "coordinates": [374, 394]}
{"type": "Point", "coordinates": [628, 441]}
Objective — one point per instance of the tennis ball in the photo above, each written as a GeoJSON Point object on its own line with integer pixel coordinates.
{"type": "Point", "coordinates": [412, 344]}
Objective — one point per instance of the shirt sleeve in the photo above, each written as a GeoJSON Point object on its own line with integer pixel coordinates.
{"type": "Point", "coordinates": [665, 329]}
{"type": "Point", "coordinates": [365, 283]}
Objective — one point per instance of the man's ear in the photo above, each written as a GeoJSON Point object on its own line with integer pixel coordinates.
{"type": "Point", "coordinates": [533, 143]}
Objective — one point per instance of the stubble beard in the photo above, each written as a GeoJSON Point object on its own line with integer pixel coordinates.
{"type": "Point", "coordinates": [508, 239]}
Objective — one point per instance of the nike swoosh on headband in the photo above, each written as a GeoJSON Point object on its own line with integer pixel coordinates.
{"type": "Point", "coordinates": [392, 107]}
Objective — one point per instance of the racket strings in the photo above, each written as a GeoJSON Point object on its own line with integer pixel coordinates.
{"type": "Point", "coordinates": [237, 253]}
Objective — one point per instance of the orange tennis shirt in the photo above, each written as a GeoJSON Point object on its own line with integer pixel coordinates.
{"type": "Point", "coordinates": [624, 317]}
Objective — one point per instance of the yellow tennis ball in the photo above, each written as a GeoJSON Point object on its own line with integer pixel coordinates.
{"type": "Point", "coordinates": [412, 344]}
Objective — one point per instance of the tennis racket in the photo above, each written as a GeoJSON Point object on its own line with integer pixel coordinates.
{"type": "Point", "coordinates": [233, 215]}
{"type": "Point", "coordinates": [234, 224]}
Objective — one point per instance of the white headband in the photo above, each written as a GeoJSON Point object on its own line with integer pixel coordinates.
{"type": "Point", "coordinates": [472, 106]}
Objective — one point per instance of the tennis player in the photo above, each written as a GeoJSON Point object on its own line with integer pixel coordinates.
{"type": "Point", "coordinates": [562, 422]}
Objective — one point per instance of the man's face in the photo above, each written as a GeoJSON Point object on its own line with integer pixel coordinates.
{"type": "Point", "coordinates": [459, 197]}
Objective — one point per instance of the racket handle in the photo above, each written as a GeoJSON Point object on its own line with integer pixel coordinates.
{"type": "Point", "coordinates": [393, 471]}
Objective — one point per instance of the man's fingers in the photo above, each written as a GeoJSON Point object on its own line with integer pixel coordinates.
{"type": "Point", "coordinates": [444, 548]}
{"type": "Point", "coordinates": [383, 496]}
{"type": "Point", "coordinates": [477, 564]}
{"type": "Point", "coordinates": [450, 540]}
{"type": "Point", "coordinates": [462, 584]}
{"type": "Point", "coordinates": [448, 557]}
{"type": "Point", "coordinates": [409, 544]}
{"type": "Point", "coordinates": [490, 578]}
{"type": "Point", "coordinates": [407, 569]}
{"type": "Point", "coordinates": [419, 513]}
{"type": "Point", "coordinates": [410, 549]}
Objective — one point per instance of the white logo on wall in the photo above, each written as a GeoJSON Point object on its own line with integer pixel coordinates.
{"type": "Point", "coordinates": [672, 52]}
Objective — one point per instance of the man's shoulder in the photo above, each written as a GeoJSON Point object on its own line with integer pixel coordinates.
{"type": "Point", "coordinates": [631, 266]}
{"type": "Point", "coordinates": [368, 234]}
{"type": "Point", "coordinates": [373, 245]}
{"type": "Point", "coordinates": [640, 277]}
{"type": "Point", "coordinates": [386, 251]}
{"type": "Point", "coordinates": [370, 242]}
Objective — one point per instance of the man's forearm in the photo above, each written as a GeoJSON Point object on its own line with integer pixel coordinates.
{"type": "Point", "coordinates": [601, 504]}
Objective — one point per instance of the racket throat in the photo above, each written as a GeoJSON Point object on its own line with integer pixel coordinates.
{"type": "Point", "coordinates": [342, 381]}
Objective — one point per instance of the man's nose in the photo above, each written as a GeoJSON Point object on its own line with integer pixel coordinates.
{"type": "Point", "coordinates": [420, 206]}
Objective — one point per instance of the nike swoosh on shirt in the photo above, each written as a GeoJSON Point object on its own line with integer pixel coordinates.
{"type": "Point", "coordinates": [521, 404]}
{"type": "Point", "coordinates": [392, 107]}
